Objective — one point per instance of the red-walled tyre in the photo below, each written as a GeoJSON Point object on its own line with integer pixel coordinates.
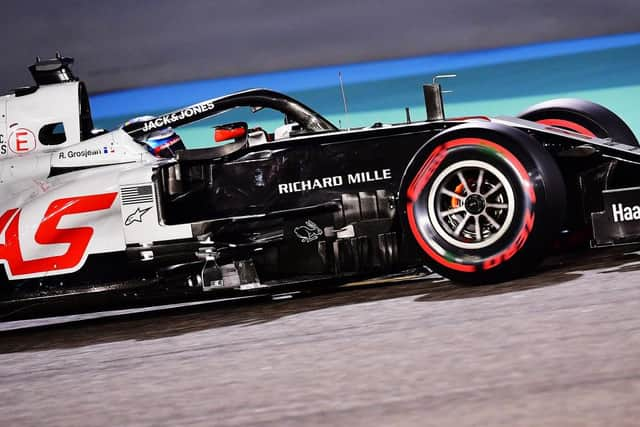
{"type": "Point", "coordinates": [482, 202]}
{"type": "Point", "coordinates": [584, 117]}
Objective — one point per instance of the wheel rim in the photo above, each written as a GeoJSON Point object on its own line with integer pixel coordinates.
{"type": "Point", "coordinates": [471, 204]}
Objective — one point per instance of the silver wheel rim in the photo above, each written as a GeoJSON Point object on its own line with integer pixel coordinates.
{"type": "Point", "coordinates": [471, 204]}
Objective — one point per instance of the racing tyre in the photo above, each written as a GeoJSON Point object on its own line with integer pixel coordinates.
{"type": "Point", "coordinates": [584, 117]}
{"type": "Point", "coordinates": [482, 202]}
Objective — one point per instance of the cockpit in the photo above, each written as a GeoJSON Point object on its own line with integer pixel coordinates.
{"type": "Point", "coordinates": [249, 118]}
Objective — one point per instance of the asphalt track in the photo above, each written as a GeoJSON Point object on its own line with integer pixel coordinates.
{"type": "Point", "coordinates": [561, 348]}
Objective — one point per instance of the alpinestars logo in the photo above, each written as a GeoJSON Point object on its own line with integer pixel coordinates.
{"type": "Point", "coordinates": [136, 216]}
{"type": "Point", "coordinates": [622, 213]}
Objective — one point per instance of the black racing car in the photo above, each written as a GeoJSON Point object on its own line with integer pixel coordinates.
{"type": "Point", "coordinates": [475, 199]}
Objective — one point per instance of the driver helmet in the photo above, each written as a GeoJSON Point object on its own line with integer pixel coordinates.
{"type": "Point", "coordinates": [162, 142]}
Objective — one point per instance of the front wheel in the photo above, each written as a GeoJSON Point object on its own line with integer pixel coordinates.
{"type": "Point", "coordinates": [482, 202]}
{"type": "Point", "coordinates": [581, 116]}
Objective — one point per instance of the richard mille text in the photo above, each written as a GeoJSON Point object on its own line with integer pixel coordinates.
{"type": "Point", "coordinates": [334, 181]}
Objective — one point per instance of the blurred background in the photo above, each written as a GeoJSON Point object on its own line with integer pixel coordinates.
{"type": "Point", "coordinates": [150, 57]}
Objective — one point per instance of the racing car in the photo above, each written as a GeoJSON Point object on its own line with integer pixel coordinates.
{"type": "Point", "coordinates": [135, 212]}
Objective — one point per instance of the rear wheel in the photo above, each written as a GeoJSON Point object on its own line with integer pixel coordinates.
{"type": "Point", "coordinates": [482, 203]}
{"type": "Point", "coordinates": [584, 117]}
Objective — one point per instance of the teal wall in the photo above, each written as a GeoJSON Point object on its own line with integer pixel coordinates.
{"type": "Point", "coordinates": [492, 82]}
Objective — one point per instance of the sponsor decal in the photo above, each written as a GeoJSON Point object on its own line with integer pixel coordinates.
{"type": "Point", "coordinates": [168, 120]}
{"type": "Point", "coordinates": [3, 146]}
{"type": "Point", "coordinates": [308, 232]}
{"type": "Point", "coordinates": [620, 219]}
{"type": "Point", "coordinates": [22, 141]}
{"type": "Point", "coordinates": [622, 213]}
{"type": "Point", "coordinates": [311, 184]}
{"type": "Point", "coordinates": [334, 181]}
{"type": "Point", "coordinates": [48, 233]}
{"type": "Point", "coordinates": [368, 176]}
{"type": "Point", "coordinates": [136, 216]}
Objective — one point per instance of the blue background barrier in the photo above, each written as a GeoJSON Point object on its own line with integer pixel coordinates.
{"type": "Point", "coordinates": [490, 82]}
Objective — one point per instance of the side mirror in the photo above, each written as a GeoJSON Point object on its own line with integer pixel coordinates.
{"type": "Point", "coordinates": [230, 132]}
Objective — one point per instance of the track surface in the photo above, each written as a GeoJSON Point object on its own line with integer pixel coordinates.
{"type": "Point", "coordinates": [559, 348]}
